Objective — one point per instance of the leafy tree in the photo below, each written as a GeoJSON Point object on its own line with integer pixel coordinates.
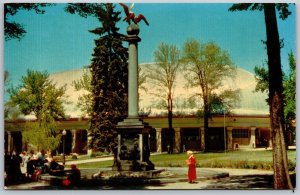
{"type": "Point", "coordinates": [84, 84]}
{"type": "Point", "coordinates": [12, 29]}
{"type": "Point", "coordinates": [289, 90]}
{"type": "Point", "coordinates": [37, 95]}
{"type": "Point", "coordinates": [163, 75]}
{"type": "Point", "coordinates": [109, 75]}
{"type": "Point", "coordinates": [207, 66]}
{"type": "Point", "coordinates": [290, 95]}
{"type": "Point", "coordinates": [281, 175]}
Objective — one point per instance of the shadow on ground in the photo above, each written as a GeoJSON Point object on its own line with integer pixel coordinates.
{"type": "Point", "coordinates": [246, 182]}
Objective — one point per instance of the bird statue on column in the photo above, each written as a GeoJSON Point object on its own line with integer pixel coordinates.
{"type": "Point", "coordinates": [130, 15]}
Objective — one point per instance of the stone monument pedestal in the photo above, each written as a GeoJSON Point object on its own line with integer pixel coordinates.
{"type": "Point", "coordinates": [133, 146]}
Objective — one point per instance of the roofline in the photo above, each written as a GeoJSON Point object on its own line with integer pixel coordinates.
{"type": "Point", "coordinates": [146, 117]}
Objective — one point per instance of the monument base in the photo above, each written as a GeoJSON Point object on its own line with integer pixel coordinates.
{"type": "Point", "coordinates": [133, 146]}
{"type": "Point", "coordinates": [129, 165]}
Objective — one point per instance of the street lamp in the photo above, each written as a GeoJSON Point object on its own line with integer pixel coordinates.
{"type": "Point", "coordinates": [64, 138]}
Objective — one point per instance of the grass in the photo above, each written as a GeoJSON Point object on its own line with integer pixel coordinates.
{"type": "Point", "coordinates": [233, 159]}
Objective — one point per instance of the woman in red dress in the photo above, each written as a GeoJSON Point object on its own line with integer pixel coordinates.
{"type": "Point", "coordinates": [191, 162]}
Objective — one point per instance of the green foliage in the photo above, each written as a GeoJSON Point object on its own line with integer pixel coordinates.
{"type": "Point", "coordinates": [163, 74]}
{"type": "Point", "coordinates": [290, 96]}
{"type": "Point", "coordinates": [85, 100]}
{"type": "Point", "coordinates": [37, 95]}
{"type": "Point", "coordinates": [109, 74]}
{"type": "Point", "coordinates": [289, 89]}
{"type": "Point", "coordinates": [281, 7]}
{"type": "Point", "coordinates": [262, 79]}
{"type": "Point", "coordinates": [207, 65]}
{"type": "Point", "coordinates": [42, 136]}
{"type": "Point", "coordinates": [74, 157]}
{"type": "Point", "coordinates": [13, 30]}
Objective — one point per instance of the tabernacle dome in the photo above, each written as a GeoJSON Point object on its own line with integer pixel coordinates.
{"type": "Point", "coordinates": [251, 102]}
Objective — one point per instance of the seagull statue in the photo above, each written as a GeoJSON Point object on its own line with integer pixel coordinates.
{"type": "Point", "coordinates": [130, 15]}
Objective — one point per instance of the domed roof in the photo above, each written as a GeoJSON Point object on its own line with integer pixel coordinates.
{"type": "Point", "coordinates": [251, 103]}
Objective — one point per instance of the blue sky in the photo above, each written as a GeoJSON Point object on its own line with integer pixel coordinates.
{"type": "Point", "coordinates": [58, 41]}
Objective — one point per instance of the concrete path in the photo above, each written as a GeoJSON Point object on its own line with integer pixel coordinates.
{"type": "Point", "coordinates": [207, 178]}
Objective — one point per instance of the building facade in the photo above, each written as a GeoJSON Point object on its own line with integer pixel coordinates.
{"type": "Point", "coordinates": [225, 132]}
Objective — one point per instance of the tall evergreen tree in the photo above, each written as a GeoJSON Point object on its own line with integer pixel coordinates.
{"type": "Point", "coordinates": [109, 75]}
{"type": "Point", "coordinates": [281, 174]}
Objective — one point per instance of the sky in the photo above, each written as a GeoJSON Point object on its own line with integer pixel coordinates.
{"type": "Point", "coordinates": [58, 41]}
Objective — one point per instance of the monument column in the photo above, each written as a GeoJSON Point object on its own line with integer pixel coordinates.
{"type": "Point", "coordinates": [133, 134]}
{"type": "Point", "coordinates": [133, 40]}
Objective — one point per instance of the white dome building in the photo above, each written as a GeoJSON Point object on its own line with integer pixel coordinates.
{"type": "Point", "coordinates": [251, 102]}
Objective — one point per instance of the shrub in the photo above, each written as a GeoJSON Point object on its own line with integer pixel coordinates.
{"type": "Point", "coordinates": [74, 156]}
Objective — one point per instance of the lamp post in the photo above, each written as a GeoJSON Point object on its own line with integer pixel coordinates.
{"type": "Point", "coordinates": [64, 138]}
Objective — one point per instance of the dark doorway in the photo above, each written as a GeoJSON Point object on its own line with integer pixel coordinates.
{"type": "Point", "coordinates": [153, 147]}
{"type": "Point", "coordinates": [215, 139]}
{"type": "Point", "coordinates": [165, 137]}
{"type": "Point", "coordinates": [190, 139]}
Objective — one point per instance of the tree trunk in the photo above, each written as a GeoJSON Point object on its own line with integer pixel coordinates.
{"type": "Point", "coordinates": [280, 164]}
{"type": "Point", "coordinates": [171, 134]}
{"type": "Point", "coordinates": [206, 117]}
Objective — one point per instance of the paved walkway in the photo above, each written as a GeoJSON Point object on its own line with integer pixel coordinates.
{"type": "Point", "coordinates": [176, 178]}
{"type": "Point", "coordinates": [207, 178]}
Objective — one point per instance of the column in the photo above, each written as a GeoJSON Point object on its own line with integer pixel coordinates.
{"type": "Point", "coordinates": [202, 138]}
{"type": "Point", "coordinates": [252, 138]}
{"type": "Point", "coordinates": [133, 40]}
{"type": "Point", "coordinates": [9, 142]}
{"type": "Point", "coordinates": [177, 140]}
{"type": "Point", "coordinates": [74, 140]}
{"type": "Point", "coordinates": [158, 140]}
{"type": "Point", "coordinates": [271, 138]}
{"type": "Point", "coordinates": [229, 138]}
{"type": "Point", "coordinates": [89, 151]}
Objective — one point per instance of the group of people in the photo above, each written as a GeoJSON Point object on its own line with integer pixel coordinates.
{"type": "Point", "coordinates": [36, 164]}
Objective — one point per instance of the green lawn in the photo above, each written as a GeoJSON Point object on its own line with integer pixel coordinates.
{"type": "Point", "coordinates": [234, 159]}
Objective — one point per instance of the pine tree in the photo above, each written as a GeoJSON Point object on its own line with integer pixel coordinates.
{"type": "Point", "coordinates": [109, 75]}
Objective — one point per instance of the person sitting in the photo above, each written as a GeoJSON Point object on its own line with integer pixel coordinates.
{"type": "Point", "coordinates": [74, 176]}
{"type": "Point", "coordinates": [55, 168]}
